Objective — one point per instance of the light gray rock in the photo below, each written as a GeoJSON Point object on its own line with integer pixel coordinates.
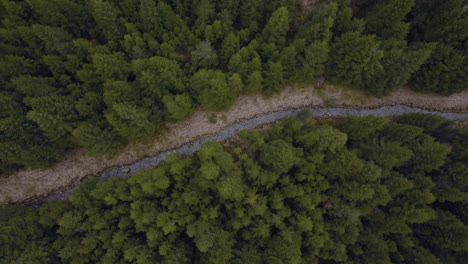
{"type": "Point", "coordinates": [190, 148]}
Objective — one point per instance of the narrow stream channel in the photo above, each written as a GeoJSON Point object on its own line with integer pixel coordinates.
{"type": "Point", "coordinates": [191, 147]}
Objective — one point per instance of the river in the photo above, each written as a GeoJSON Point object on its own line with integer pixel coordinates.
{"type": "Point", "coordinates": [191, 147]}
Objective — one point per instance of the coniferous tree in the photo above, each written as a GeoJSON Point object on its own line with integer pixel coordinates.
{"type": "Point", "coordinates": [386, 19]}
{"type": "Point", "coordinates": [344, 21]}
{"type": "Point", "coordinates": [79, 69]}
{"type": "Point", "coordinates": [179, 107]}
{"type": "Point", "coordinates": [106, 15]}
{"type": "Point", "coordinates": [443, 73]}
{"type": "Point", "coordinates": [441, 21]}
{"type": "Point", "coordinates": [399, 62]}
{"type": "Point", "coordinates": [277, 27]}
{"type": "Point", "coordinates": [297, 193]}
{"type": "Point", "coordinates": [355, 60]}
{"type": "Point", "coordinates": [208, 83]}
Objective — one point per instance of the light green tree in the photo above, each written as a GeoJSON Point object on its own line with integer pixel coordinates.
{"type": "Point", "coordinates": [179, 106]}
{"type": "Point", "coordinates": [208, 85]}
{"type": "Point", "coordinates": [277, 27]}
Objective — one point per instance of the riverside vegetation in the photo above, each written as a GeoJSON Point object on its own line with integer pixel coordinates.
{"type": "Point", "coordinates": [100, 73]}
{"type": "Point", "coordinates": [97, 74]}
{"type": "Point", "coordinates": [350, 190]}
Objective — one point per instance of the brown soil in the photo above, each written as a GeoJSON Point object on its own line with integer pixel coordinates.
{"type": "Point", "coordinates": [27, 184]}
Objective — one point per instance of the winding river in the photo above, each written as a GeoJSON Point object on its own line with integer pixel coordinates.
{"type": "Point", "coordinates": [190, 148]}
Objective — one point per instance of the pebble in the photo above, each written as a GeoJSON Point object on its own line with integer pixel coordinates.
{"type": "Point", "coordinates": [252, 123]}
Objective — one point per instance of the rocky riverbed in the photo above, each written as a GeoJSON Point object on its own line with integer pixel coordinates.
{"type": "Point", "coordinates": [191, 147]}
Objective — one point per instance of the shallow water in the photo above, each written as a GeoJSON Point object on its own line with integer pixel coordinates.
{"type": "Point", "coordinates": [252, 123]}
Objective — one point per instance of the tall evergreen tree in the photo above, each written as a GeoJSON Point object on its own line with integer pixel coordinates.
{"type": "Point", "coordinates": [355, 60]}
{"type": "Point", "coordinates": [386, 19]}
{"type": "Point", "coordinates": [443, 73]}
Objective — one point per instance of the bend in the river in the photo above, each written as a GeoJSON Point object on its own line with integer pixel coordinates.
{"type": "Point", "coordinates": [191, 147]}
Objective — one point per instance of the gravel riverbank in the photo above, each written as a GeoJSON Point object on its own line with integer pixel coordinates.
{"type": "Point", "coordinates": [31, 184]}
{"type": "Point", "coordinates": [190, 148]}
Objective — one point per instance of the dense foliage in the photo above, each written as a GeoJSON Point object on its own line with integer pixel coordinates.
{"type": "Point", "coordinates": [365, 191]}
{"type": "Point", "coordinates": [97, 73]}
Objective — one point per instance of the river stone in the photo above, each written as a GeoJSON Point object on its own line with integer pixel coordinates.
{"type": "Point", "coordinates": [191, 147]}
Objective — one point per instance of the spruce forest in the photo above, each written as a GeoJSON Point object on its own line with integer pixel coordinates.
{"type": "Point", "coordinates": [99, 73]}
{"type": "Point", "coordinates": [356, 190]}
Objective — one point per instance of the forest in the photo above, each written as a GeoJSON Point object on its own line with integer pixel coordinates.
{"type": "Point", "coordinates": [96, 74]}
{"type": "Point", "coordinates": [350, 190]}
